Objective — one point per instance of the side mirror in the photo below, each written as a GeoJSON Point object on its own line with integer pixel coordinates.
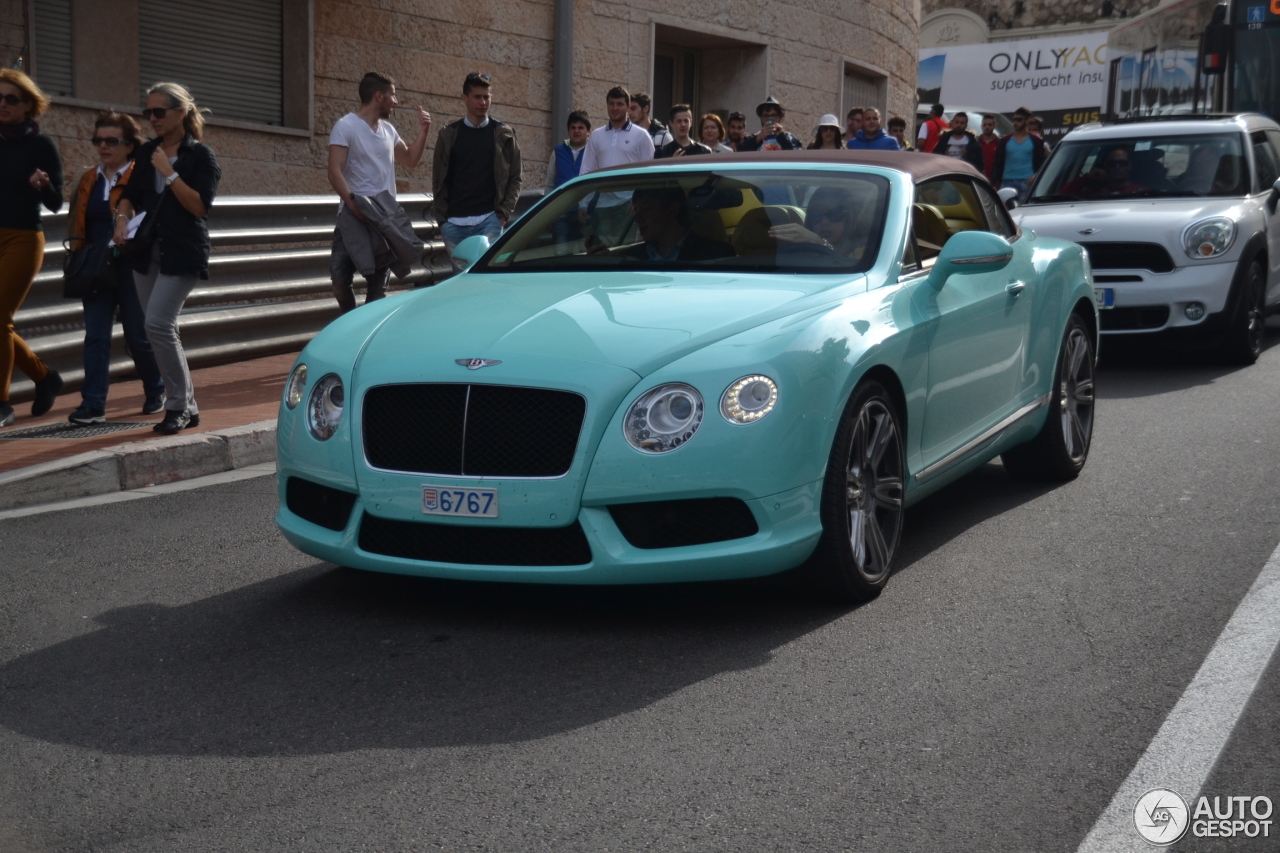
{"type": "Point", "coordinates": [971, 252]}
{"type": "Point", "coordinates": [1009, 196]}
{"type": "Point", "coordinates": [1274, 197]}
{"type": "Point", "coordinates": [470, 250]}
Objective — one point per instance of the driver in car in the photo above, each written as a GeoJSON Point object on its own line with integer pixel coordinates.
{"type": "Point", "coordinates": [662, 218]}
{"type": "Point", "coordinates": [1109, 177]}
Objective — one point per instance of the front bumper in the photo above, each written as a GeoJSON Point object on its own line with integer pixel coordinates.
{"type": "Point", "coordinates": [788, 524]}
{"type": "Point", "coordinates": [1157, 302]}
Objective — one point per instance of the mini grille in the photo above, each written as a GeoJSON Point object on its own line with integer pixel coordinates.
{"type": "Point", "coordinates": [472, 430]}
{"type": "Point", "coordinates": [1140, 317]}
{"type": "Point", "coordinates": [1129, 256]}
{"type": "Point", "coordinates": [475, 545]}
{"type": "Point", "coordinates": [318, 504]}
{"type": "Point", "coordinates": [670, 524]}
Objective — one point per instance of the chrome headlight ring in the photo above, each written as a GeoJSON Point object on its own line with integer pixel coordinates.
{"type": "Point", "coordinates": [1209, 238]}
{"type": "Point", "coordinates": [749, 399]}
{"type": "Point", "coordinates": [294, 387]}
{"type": "Point", "coordinates": [324, 407]}
{"type": "Point", "coordinates": [663, 418]}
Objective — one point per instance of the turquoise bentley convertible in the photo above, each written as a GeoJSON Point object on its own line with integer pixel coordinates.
{"type": "Point", "coordinates": [720, 367]}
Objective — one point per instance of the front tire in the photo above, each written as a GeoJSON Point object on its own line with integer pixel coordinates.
{"type": "Point", "coordinates": [862, 499]}
{"type": "Point", "coordinates": [1059, 450]}
{"type": "Point", "coordinates": [1248, 330]}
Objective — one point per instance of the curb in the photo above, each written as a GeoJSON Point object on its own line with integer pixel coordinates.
{"type": "Point", "coordinates": [143, 463]}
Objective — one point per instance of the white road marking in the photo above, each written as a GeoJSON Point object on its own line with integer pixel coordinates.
{"type": "Point", "coordinates": [1184, 751]}
{"type": "Point", "coordinates": [248, 472]}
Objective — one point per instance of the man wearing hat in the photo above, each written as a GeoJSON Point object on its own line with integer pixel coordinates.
{"type": "Point", "coordinates": [772, 136]}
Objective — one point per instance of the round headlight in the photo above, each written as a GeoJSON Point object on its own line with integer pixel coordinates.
{"type": "Point", "coordinates": [295, 386]}
{"type": "Point", "coordinates": [663, 418]}
{"type": "Point", "coordinates": [324, 407]}
{"type": "Point", "coordinates": [749, 399]}
{"type": "Point", "coordinates": [1210, 237]}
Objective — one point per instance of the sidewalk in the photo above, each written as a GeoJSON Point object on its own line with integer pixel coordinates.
{"type": "Point", "coordinates": [238, 407]}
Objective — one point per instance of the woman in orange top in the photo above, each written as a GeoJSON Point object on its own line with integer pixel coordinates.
{"type": "Point", "coordinates": [93, 212]}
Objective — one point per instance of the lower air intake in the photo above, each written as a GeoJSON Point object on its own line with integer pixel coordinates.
{"type": "Point", "coordinates": [318, 504]}
{"type": "Point", "coordinates": [670, 524]}
{"type": "Point", "coordinates": [475, 545]}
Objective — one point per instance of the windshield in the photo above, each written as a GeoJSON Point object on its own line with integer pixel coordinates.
{"type": "Point", "coordinates": [706, 220]}
{"type": "Point", "coordinates": [1211, 164]}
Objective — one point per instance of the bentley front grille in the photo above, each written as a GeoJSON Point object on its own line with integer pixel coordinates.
{"type": "Point", "coordinates": [472, 430]}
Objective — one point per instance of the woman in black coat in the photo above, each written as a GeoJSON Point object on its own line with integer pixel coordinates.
{"type": "Point", "coordinates": [174, 182]}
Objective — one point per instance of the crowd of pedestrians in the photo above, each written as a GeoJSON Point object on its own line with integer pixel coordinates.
{"type": "Point", "coordinates": [138, 240]}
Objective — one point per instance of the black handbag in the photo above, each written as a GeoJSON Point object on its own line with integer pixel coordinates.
{"type": "Point", "coordinates": [88, 268]}
{"type": "Point", "coordinates": [138, 249]}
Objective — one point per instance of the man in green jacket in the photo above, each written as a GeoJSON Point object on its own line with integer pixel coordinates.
{"type": "Point", "coordinates": [476, 170]}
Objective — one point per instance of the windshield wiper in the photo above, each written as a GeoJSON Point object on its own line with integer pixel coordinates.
{"type": "Point", "coordinates": [1054, 197]}
{"type": "Point", "coordinates": [1161, 194]}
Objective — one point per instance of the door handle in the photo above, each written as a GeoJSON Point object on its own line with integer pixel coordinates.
{"type": "Point", "coordinates": [1015, 287]}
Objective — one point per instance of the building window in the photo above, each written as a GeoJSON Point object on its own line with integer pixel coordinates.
{"type": "Point", "coordinates": [53, 52]}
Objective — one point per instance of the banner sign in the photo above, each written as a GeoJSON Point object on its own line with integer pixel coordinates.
{"type": "Point", "coordinates": [1061, 78]}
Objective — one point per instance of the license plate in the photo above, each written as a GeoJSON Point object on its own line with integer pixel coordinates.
{"type": "Point", "coordinates": [1105, 297]}
{"type": "Point", "coordinates": [467, 503]}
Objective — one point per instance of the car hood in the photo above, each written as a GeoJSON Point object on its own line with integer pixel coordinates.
{"type": "Point", "coordinates": [638, 320]}
{"type": "Point", "coordinates": [1121, 220]}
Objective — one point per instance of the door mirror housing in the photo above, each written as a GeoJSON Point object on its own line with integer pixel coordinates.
{"type": "Point", "coordinates": [1009, 196]}
{"type": "Point", "coordinates": [470, 250]}
{"type": "Point", "coordinates": [971, 252]}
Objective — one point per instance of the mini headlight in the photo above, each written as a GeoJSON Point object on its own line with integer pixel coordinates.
{"type": "Point", "coordinates": [663, 418]}
{"type": "Point", "coordinates": [1210, 237]}
{"type": "Point", "coordinates": [749, 399]}
{"type": "Point", "coordinates": [324, 407]}
{"type": "Point", "coordinates": [295, 386]}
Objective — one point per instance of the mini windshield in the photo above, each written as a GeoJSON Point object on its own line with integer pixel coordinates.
{"type": "Point", "coordinates": [1150, 166]}
{"type": "Point", "coordinates": [767, 221]}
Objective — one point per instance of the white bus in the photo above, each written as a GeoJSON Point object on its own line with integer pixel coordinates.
{"type": "Point", "coordinates": [1197, 56]}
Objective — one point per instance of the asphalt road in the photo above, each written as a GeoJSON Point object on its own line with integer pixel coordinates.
{"type": "Point", "coordinates": [174, 676]}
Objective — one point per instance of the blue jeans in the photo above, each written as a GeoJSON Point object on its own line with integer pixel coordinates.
{"type": "Point", "coordinates": [99, 314]}
{"type": "Point", "coordinates": [455, 234]}
{"type": "Point", "coordinates": [1019, 185]}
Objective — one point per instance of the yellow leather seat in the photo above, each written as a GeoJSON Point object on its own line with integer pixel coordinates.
{"type": "Point", "coordinates": [751, 237]}
{"type": "Point", "coordinates": [931, 229]}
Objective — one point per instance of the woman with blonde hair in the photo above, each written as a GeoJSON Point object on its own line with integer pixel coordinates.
{"type": "Point", "coordinates": [30, 176]}
{"type": "Point", "coordinates": [174, 182]}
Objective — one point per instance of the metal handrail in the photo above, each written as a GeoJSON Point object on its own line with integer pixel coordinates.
{"type": "Point", "coordinates": [268, 290]}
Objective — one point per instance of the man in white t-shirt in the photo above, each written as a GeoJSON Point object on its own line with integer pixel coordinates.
{"type": "Point", "coordinates": [364, 149]}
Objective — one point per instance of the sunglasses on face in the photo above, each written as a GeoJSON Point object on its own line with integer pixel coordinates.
{"type": "Point", "coordinates": [835, 214]}
{"type": "Point", "coordinates": [156, 113]}
{"type": "Point", "coordinates": [113, 141]}
{"type": "Point", "coordinates": [1117, 164]}
{"type": "Point", "coordinates": [473, 77]}
{"type": "Point", "coordinates": [12, 99]}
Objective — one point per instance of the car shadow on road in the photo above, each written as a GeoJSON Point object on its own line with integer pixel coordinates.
{"type": "Point", "coordinates": [1136, 368]}
{"type": "Point", "coordinates": [327, 660]}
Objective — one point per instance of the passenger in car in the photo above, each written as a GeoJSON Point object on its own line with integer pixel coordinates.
{"type": "Point", "coordinates": [831, 221]}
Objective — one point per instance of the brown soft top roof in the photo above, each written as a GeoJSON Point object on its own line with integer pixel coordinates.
{"type": "Point", "coordinates": [919, 166]}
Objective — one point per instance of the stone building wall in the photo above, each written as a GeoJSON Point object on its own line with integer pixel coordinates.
{"type": "Point", "coordinates": [796, 50]}
{"type": "Point", "coordinates": [1040, 13]}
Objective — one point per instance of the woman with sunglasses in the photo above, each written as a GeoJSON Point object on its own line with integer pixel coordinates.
{"type": "Point", "coordinates": [93, 206]}
{"type": "Point", "coordinates": [831, 222]}
{"type": "Point", "coordinates": [30, 177]}
{"type": "Point", "coordinates": [174, 181]}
